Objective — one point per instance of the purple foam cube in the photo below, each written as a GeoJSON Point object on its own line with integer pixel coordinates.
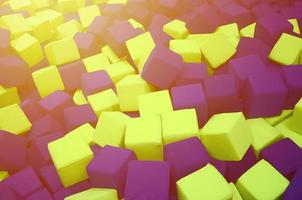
{"type": "Point", "coordinates": [24, 182]}
{"type": "Point", "coordinates": [293, 191]}
{"type": "Point", "coordinates": [262, 8]}
{"type": "Point", "coordinates": [222, 87]}
{"type": "Point", "coordinates": [87, 44]}
{"type": "Point", "coordinates": [234, 169]}
{"type": "Point", "coordinates": [156, 29]}
{"type": "Point", "coordinates": [220, 165]}
{"type": "Point", "coordinates": [159, 76]}
{"type": "Point", "coordinates": [76, 116]}
{"type": "Point", "coordinates": [148, 180]}
{"type": "Point", "coordinates": [39, 195]}
{"type": "Point", "coordinates": [71, 75]}
{"type": "Point", "coordinates": [97, 81]}
{"type": "Point", "coordinates": [99, 26]}
{"type": "Point", "coordinates": [265, 95]}
{"type": "Point", "coordinates": [32, 109]}
{"type": "Point", "coordinates": [192, 73]}
{"type": "Point", "coordinates": [284, 155]}
{"type": "Point", "coordinates": [292, 77]}
{"type": "Point", "coordinates": [6, 193]}
{"type": "Point", "coordinates": [191, 96]}
{"type": "Point", "coordinates": [246, 66]}
{"type": "Point", "coordinates": [255, 46]}
{"type": "Point", "coordinates": [108, 169]}
{"type": "Point", "coordinates": [12, 152]}
{"type": "Point", "coordinates": [50, 178]}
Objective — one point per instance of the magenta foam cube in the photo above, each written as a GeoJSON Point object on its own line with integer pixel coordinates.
{"type": "Point", "coordinates": [284, 155]}
{"type": "Point", "coordinates": [222, 87]}
{"type": "Point", "coordinates": [234, 169]}
{"type": "Point", "coordinates": [265, 95]}
{"type": "Point", "coordinates": [110, 10]}
{"type": "Point", "coordinates": [185, 157]}
{"type": "Point", "coordinates": [292, 77]}
{"type": "Point", "coordinates": [148, 180]}
{"type": "Point", "coordinates": [97, 81]}
{"type": "Point", "coordinates": [87, 44]}
{"type": "Point", "coordinates": [140, 13]}
{"type": "Point", "coordinates": [32, 109]}
{"type": "Point", "coordinates": [192, 73]}
{"type": "Point", "coordinates": [191, 96]}
{"type": "Point", "coordinates": [220, 165]}
{"type": "Point", "coordinates": [40, 194]}
{"type": "Point", "coordinates": [6, 193]}
{"type": "Point", "coordinates": [156, 29]}
{"type": "Point", "coordinates": [71, 75]}
{"type": "Point", "coordinates": [24, 182]}
{"type": "Point", "coordinates": [76, 116]}
{"type": "Point", "coordinates": [50, 178]}
{"type": "Point", "coordinates": [293, 191]}
{"type": "Point", "coordinates": [99, 26]}
{"type": "Point", "coordinates": [12, 152]}
{"type": "Point", "coordinates": [261, 9]}
{"type": "Point", "coordinates": [108, 169]}
{"type": "Point", "coordinates": [159, 76]}
{"type": "Point", "coordinates": [254, 46]}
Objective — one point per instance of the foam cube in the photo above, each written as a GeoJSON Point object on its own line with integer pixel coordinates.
{"type": "Point", "coordinates": [108, 169]}
{"type": "Point", "coordinates": [5, 44]}
{"type": "Point", "coordinates": [232, 33]}
{"type": "Point", "coordinates": [79, 98]}
{"type": "Point", "coordinates": [86, 131]}
{"type": "Point", "coordinates": [134, 85]}
{"type": "Point", "coordinates": [68, 29]}
{"type": "Point", "coordinates": [96, 62]}
{"type": "Point", "coordinates": [40, 28]}
{"type": "Point", "coordinates": [94, 193]}
{"type": "Point", "coordinates": [162, 56]}
{"type": "Point", "coordinates": [54, 17]}
{"type": "Point", "coordinates": [40, 194]}
{"type": "Point", "coordinates": [179, 125]}
{"type": "Point", "coordinates": [293, 192]}
{"type": "Point", "coordinates": [70, 155]}
{"type": "Point", "coordinates": [192, 73]}
{"type": "Point", "coordinates": [265, 95]}
{"type": "Point", "coordinates": [8, 193]}
{"type": "Point", "coordinates": [111, 55]}
{"type": "Point", "coordinates": [205, 183]}
{"type": "Point", "coordinates": [87, 44]}
{"type": "Point", "coordinates": [287, 50]}
{"type": "Point", "coordinates": [291, 76]}
{"type": "Point", "coordinates": [187, 49]}
{"type": "Point", "coordinates": [16, 24]}
{"type": "Point", "coordinates": [14, 120]}
{"type": "Point", "coordinates": [296, 27]}
{"type": "Point", "coordinates": [103, 101]}
{"type": "Point", "coordinates": [87, 14]}
{"type": "Point", "coordinates": [261, 177]}
{"type": "Point", "coordinates": [236, 194]}
{"type": "Point", "coordinates": [227, 136]}
{"type": "Point", "coordinates": [50, 178]}
{"type": "Point", "coordinates": [29, 49]}
{"type": "Point", "coordinates": [9, 96]}
{"type": "Point", "coordinates": [248, 31]}
{"type": "Point", "coordinates": [21, 5]}
{"type": "Point", "coordinates": [67, 6]}
{"type": "Point", "coordinates": [217, 50]}
{"type": "Point", "coordinates": [154, 103]}
{"type": "Point", "coordinates": [56, 51]}
{"type": "Point", "coordinates": [3, 175]}
{"type": "Point", "coordinates": [110, 129]}
{"type": "Point", "coordinates": [119, 70]}
{"type": "Point", "coordinates": [264, 134]}
{"type": "Point", "coordinates": [149, 145]}
{"type": "Point", "coordinates": [176, 29]}
{"type": "Point", "coordinates": [98, 26]}
{"type": "Point", "coordinates": [158, 175]}
{"type": "Point", "coordinates": [275, 120]}
{"type": "Point", "coordinates": [294, 124]}
{"type": "Point", "coordinates": [283, 128]}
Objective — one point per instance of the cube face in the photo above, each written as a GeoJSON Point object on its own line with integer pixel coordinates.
{"type": "Point", "coordinates": [179, 125]}
{"type": "Point", "coordinates": [294, 120]}
{"type": "Point", "coordinates": [94, 193]}
{"type": "Point", "coordinates": [259, 178]}
{"type": "Point", "coordinates": [227, 136]}
{"type": "Point", "coordinates": [293, 192]}
{"type": "Point", "coordinates": [293, 82]}
{"type": "Point", "coordinates": [119, 70]}
{"type": "Point", "coordinates": [43, 76]}
{"type": "Point", "coordinates": [206, 183]}
{"type": "Point", "coordinates": [144, 137]}
{"type": "Point", "coordinates": [155, 103]}
{"type": "Point", "coordinates": [187, 49]}
{"type": "Point", "coordinates": [40, 27]}
{"type": "Point", "coordinates": [87, 15]}
{"type": "Point", "coordinates": [16, 24]}
{"type": "Point", "coordinates": [176, 29]}
{"type": "Point", "coordinates": [68, 29]}
{"type": "Point", "coordinates": [96, 62]}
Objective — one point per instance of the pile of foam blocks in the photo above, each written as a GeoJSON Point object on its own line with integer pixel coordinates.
{"type": "Point", "coordinates": [150, 100]}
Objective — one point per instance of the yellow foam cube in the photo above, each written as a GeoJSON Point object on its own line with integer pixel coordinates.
{"type": "Point", "coordinates": [259, 178]}
{"type": "Point", "coordinates": [56, 52]}
{"type": "Point", "coordinates": [96, 62]}
{"type": "Point", "coordinates": [187, 49]}
{"type": "Point", "coordinates": [217, 50]}
{"type": "Point", "coordinates": [21, 5]}
{"type": "Point", "coordinates": [275, 120]}
{"type": "Point", "coordinates": [94, 194]}
{"type": "Point", "coordinates": [295, 120]}
{"type": "Point", "coordinates": [86, 131]}
{"type": "Point", "coordinates": [39, 4]}
{"type": "Point", "coordinates": [29, 49]}
{"type": "Point", "coordinates": [119, 70]}
{"type": "Point", "coordinates": [200, 39]}
{"type": "Point", "coordinates": [283, 128]}
{"type": "Point", "coordinates": [48, 80]}
{"type": "Point", "coordinates": [14, 120]}
{"type": "Point", "coordinates": [111, 55]}
{"type": "Point", "coordinates": [236, 194]}
{"type": "Point", "coordinates": [227, 136]}
{"type": "Point", "coordinates": [135, 24]}
{"type": "Point", "coordinates": [117, 1]}
{"type": "Point", "coordinates": [205, 183]}
{"type": "Point", "coordinates": [3, 175]}
{"type": "Point", "coordinates": [16, 24]}
{"type": "Point", "coordinates": [70, 155]}
{"type": "Point", "coordinates": [154, 103]}
{"type": "Point", "coordinates": [296, 27]}
{"type": "Point", "coordinates": [264, 134]}
{"type": "Point", "coordinates": [144, 137]}
{"type": "Point", "coordinates": [87, 14]}
{"type": "Point", "coordinates": [54, 17]}
{"type": "Point", "coordinates": [138, 54]}
{"type": "Point", "coordinates": [287, 50]}
{"type": "Point", "coordinates": [68, 29]}
{"type": "Point", "coordinates": [9, 96]}
{"type": "Point", "coordinates": [79, 98]}
{"type": "Point", "coordinates": [69, 6]}
{"type": "Point", "coordinates": [232, 33]}
{"type": "Point", "coordinates": [40, 27]}
{"type": "Point", "coordinates": [179, 125]}
{"type": "Point", "coordinates": [129, 89]}
{"type": "Point", "coordinates": [176, 29]}
{"type": "Point", "coordinates": [110, 129]}
{"type": "Point", "coordinates": [104, 101]}
{"type": "Point", "coordinates": [248, 31]}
